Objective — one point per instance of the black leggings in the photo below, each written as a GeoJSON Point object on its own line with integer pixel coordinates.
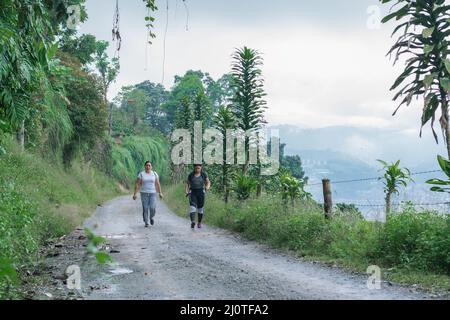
{"type": "Point", "coordinates": [197, 198]}
{"type": "Point", "coordinates": [197, 201]}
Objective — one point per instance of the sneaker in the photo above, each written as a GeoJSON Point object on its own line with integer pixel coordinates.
{"type": "Point", "coordinates": [200, 225]}
{"type": "Point", "coordinates": [152, 222]}
{"type": "Point", "coordinates": [192, 225]}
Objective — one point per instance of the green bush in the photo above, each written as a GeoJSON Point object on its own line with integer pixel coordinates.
{"type": "Point", "coordinates": [418, 240]}
{"type": "Point", "coordinates": [244, 186]}
{"type": "Point", "coordinates": [305, 233]}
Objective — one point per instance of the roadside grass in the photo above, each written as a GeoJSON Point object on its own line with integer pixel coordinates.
{"type": "Point", "coordinates": [40, 201]}
{"type": "Point", "coordinates": [411, 248]}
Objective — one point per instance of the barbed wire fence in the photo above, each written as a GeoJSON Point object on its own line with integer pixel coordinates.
{"type": "Point", "coordinates": [441, 204]}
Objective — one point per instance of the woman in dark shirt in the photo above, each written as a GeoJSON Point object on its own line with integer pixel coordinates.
{"type": "Point", "coordinates": [196, 186]}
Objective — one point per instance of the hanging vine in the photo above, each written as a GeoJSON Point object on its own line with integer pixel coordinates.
{"type": "Point", "coordinates": [116, 29]}
{"type": "Point", "coordinates": [151, 5]}
{"type": "Point", "coordinates": [187, 14]}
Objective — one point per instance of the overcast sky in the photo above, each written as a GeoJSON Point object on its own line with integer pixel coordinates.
{"type": "Point", "coordinates": [323, 65]}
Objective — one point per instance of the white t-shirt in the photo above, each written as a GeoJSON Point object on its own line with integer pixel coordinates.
{"type": "Point", "coordinates": [148, 181]}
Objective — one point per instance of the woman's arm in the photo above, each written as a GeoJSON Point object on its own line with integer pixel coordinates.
{"type": "Point", "coordinates": [207, 184]}
{"type": "Point", "coordinates": [187, 187]}
{"type": "Point", "coordinates": [158, 187]}
{"type": "Point", "coordinates": [136, 188]}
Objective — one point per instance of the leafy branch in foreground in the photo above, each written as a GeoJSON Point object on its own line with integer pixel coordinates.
{"type": "Point", "coordinates": [151, 6]}
{"type": "Point", "coordinates": [426, 28]}
{"type": "Point", "coordinates": [442, 185]}
{"type": "Point", "coordinates": [92, 248]}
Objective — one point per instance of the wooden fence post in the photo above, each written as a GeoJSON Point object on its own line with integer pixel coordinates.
{"type": "Point", "coordinates": [327, 197]}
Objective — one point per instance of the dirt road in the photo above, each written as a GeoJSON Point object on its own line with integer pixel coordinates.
{"type": "Point", "coordinates": [170, 261]}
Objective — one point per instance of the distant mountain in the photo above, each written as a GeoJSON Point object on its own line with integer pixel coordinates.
{"type": "Point", "coordinates": [365, 144]}
{"type": "Point", "coordinates": [337, 166]}
{"type": "Point", "coordinates": [347, 153]}
{"type": "Point", "coordinates": [334, 165]}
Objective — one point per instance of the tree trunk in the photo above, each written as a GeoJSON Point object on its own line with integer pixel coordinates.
{"type": "Point", "coordinates": [259, 187]}
{"type": "Point", "coordinates": [388, 202]}
{"type": "Point", "coordinates": [447, 131]}
{"type": "Point", "coordinates": [110, 120]}
{"type": "Point", "coordinates": [445, 120]}
{"type": "Point", "coordinates": [247, 156]}
{"type": "Point", "coordinates": [446, 116]}
{"type": "Point", "coordinates": [225, 182]}
{"type": "Point", "coordinates": [21, 136]}
{"type": "Point", "coordinates": [105, 96]}
{"type": "Point", "coordinates": [245, 168]}
{"type": "Point", "coordinates": [227, 194]}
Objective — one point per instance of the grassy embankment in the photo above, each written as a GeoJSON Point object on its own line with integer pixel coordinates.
{"type": "Point", "coordinates": [40, 200]}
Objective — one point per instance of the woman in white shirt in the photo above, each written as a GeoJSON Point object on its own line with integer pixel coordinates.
{"type": "Point", "coordinates": [148, 183]}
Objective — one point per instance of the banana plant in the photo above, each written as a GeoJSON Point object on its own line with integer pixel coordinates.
{"type": "Point", "coordinates": [244, 186]}
{"type": "Point", "coordinates": [292, 189]}
{"type": "Point", "coordinates": [442, 185]}
{"type": "Point", "coordinates": [394, 177]}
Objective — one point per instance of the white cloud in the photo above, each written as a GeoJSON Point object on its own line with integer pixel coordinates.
{"type": "Point", "coordinates": [316, 74]}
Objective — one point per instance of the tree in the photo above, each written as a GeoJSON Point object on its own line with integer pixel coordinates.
{"type": "Point", "coordinates": [155, 116]}
{"type": "Point", "coordinates": [201, 108]}
{"type": "Point", "coordinates": [108, 70]}
{"type": "Point", "coordinates": [83, 47]}
{"type": "Point", "coordinates": [427, 72]}
{"type": "Point", "coordinates": [187, 86]}
{"type": "Point", "coordinates": [27, 32]}
{"type": "Point", "coordinates": [247, 103]}
{"type": "Point", "coordinates": [223, 121]}
{"type": "Point", "coordinates": [294, 165]}
{"type": "Point", "coordinates": [184, 118]}
{"type": "Point", "coordinates": [86, 107]}
{"type": "Point", "coordinates": [219, 92]}
{"type": "Point", "coordinates": [394, 177]}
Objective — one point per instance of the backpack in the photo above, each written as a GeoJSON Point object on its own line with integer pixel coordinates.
{"type": "Point", "coordinates": [191, 176]}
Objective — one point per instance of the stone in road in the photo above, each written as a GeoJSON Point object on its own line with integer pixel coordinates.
{"type": "Point", "coordinates": [170, 261]}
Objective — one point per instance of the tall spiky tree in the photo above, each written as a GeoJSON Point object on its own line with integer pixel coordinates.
{"type": "Point", "coordinates": [426, 29]}
{"type": "Point", "coordinates": [223, 121]}
{"type": "Point", "coordinates": [201, 108]}
{"type": "Point", "coordinates": [248, 104]}
{"type": "Point", "coordinates": [184, 116]}
{"type": "Point", "coordinates": [183, 120]}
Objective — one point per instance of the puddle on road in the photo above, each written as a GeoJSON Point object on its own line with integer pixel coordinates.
{"type": "Point", "coordinates": [117, 236]}
{"type": "Point", "coordinates": [120, 271]}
